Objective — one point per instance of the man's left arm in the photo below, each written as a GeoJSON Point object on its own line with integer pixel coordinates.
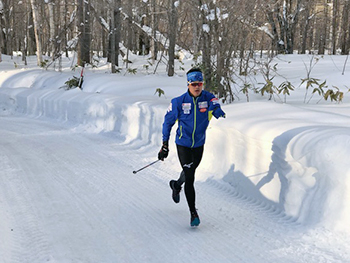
{"type": "Point", "coordinates": [215, 107]}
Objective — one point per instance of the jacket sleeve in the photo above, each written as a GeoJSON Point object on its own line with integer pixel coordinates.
{"type": "Point", "coordinates": [215, 107]}
{"type": "Point", "coordinates": [169, 120]}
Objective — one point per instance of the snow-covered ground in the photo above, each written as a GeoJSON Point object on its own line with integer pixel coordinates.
{"type": "Point", "coordinates": [273, 185]}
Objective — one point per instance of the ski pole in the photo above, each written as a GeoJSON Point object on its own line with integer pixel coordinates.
{"type": "Point", "coordinates": [134, 172]}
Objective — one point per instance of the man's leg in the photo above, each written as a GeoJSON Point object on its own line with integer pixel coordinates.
{"type": "Point", "coordinates": [197, 157]}
{"type": "Point", "coordinates": [189, 159]}
{"type": "Point", "coordinates": [182, 178]}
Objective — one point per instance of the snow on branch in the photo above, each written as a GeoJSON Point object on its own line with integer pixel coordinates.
{"type": "Point", "coordinates": [160, 38]}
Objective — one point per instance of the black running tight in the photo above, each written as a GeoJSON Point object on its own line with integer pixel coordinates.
{"type": "Point", "coordinates": [189, 159]}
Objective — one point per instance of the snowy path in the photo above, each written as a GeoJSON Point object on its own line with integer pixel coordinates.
{"type": "Point", "coordinates": [67, 196]}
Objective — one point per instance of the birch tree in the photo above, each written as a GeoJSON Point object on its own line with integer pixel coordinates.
{"type": "Point", "coordinates": [52, 26]}
{"type": "Point", "coordinates": [37, 31]}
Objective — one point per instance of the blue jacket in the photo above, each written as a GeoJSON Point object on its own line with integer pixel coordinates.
{"type": "Point", "coordinates": [193, 116]}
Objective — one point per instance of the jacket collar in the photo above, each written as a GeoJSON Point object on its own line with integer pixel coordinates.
{"type": "Point", "coordinates": [189, 93]}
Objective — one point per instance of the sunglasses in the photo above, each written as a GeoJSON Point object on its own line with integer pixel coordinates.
{"type": "Point", "coordinates": [198, 84]}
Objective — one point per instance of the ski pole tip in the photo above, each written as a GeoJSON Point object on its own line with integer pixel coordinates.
{"type": "Point", "coordinates": [134, 172]}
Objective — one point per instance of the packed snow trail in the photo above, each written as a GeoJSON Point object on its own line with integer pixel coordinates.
{"type": "Point", "coordinates": [67, 196]}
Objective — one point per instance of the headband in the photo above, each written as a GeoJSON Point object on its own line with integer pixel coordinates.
{"type": "Point", "coordinates": [194, 76]}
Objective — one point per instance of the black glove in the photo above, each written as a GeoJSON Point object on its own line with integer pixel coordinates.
{"type": "Point", "coordinates": [164, 151]}
{"type": "Point", "coordinates": [218, 112]}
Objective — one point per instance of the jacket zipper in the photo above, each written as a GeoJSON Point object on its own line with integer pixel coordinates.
{"type": "Point", "coordinates": [195, 121]}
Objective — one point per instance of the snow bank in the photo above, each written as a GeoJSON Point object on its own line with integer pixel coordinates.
{"type": "Point", "coordinates": [294, 156]}
{"type": "Point", "coordinates": [291, 156]}
{"type": "Point", "coordinates": [320, 176]}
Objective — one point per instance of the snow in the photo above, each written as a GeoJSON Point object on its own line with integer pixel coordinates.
{"type": "Point", "coordinates": [206, 28]}
{"type": "Point", "coordinates": [273, 184]}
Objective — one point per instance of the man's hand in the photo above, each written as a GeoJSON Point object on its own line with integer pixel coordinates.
{"type": "Point", "coordinates": [164, 151]}
{"type": "Point", "coordinates": [218, 112]}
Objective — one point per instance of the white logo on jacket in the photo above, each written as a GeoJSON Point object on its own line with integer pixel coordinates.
{"type": "Point", "coordinates": [215, 101]}
{"type": "Point", "coordinates": [203, 104]}
{"type": "Point", "coordinates": [186, 107]}
{"type": "Point", "coordinates": [170, 108]}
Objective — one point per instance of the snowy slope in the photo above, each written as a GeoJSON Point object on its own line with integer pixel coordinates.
{"type": "Point", "coordinates": [71, 197]}
{"type": "Point", "coordinates": [272, 186]}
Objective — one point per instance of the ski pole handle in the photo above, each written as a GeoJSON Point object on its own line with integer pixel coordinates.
{"type": "Point", "coordinates": [134, 172]}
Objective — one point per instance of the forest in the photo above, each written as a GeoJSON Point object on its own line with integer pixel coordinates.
{"type": "Point", "coordinates": [222, 35]}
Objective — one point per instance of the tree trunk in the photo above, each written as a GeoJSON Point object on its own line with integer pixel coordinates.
{"type": "Point", "coordinates": [84, 37]}
{"type": "Point", "coordinates": [206, 49]}
{"type": "Point", "coordinates": [2, 37]}
{"type": "Point", "coordinates": [292, 24]}
{"type": "Point", "coordinates": [305, 28]}
{"type": "Point", "coordinates": [80, 30]}
{"type": "Point", "coordinates": [59, 32]}
{"type": "Point", "coordinates": [118, 28]}
{"type": "Point", "coordinates": [37, 30]}
{"type": "Point", "coordinates": [129, 32]}
{"type": "Point", "coordinates": [335, 18]}
{"type": "Point", "coordinates": [115, 34]}
{"type": "Point", "coordinates": [345, 29]}
{"type": "Point", "coordinates": [6, 28]}
{"type": "Point", "coordinates": [112, 40]}
{"type": "Point", "coordinates": [277, 45]}
{"type": "Point", "coordinates": [52, 27]}
{"type": "Point", "coordinates": [323, 25]}
{"type": "Point", "coordinates": [65, 40]}
{"type": "Point", "coordinates": [172, 37]}
{"type": "Point", "coordinates": [87, 33]}
{"type": "Point", "coordinates": [154, 26]}
{"type": "Point", "coordinates": [220, 54]}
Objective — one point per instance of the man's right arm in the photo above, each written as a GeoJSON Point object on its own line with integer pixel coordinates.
{"type": "Point", "coordinates": [170, 119]}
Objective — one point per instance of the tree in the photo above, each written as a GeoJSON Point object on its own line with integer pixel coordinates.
{"type": "Point", "coordinates": [6, 12]}
{"type": "Point", "coordinates": [283, 19]}
{"type": "Point", "coordinates": [305, 24]}
{"type": "Point", "coordinates": [87, 33]}
{"type": "Point", "coordinates": [173, 18]}
{"type": "Point", "coordinates": [345, 30]}
{"type": "Point", "coordinates": [84, 34]}
{"type": "Point", "coordinates": [129, 33]}
{"type": "Point", "coordinates": [322, 30]}
{"type": "Point", "coordinates": [335, 23]}
{"type": "Point", "coordinates": [221, 34]}
{"type": "Point", "coordinates": [154, 10]}
{"type": "Point", "coordinates": [115, 33]}
{"type": "Point", "coordinates": [37, 31]}
{"type": "Point", "coordinates": [206, 42]}
{"type": "Point", "coordinates": [1, 26]}
{"type": "Point", "coordinates": [51, 6]}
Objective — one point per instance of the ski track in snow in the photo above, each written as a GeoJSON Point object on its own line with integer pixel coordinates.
{"type": "Point", "coordinates": [67, 196]}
